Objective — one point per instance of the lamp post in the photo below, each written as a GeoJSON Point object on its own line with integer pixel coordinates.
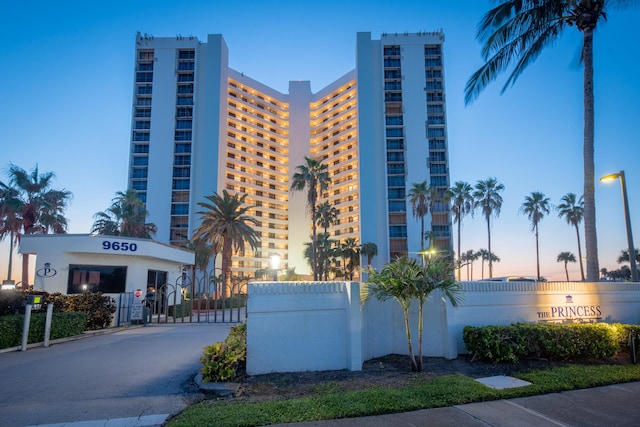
{"type": "Point", "coordinates": [275, 265]}
{"type": "Point", "coordinates": [627, 218]}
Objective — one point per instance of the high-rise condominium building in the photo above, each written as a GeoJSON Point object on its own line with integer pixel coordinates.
{"type": "Point", "coordinates": [200, 127]}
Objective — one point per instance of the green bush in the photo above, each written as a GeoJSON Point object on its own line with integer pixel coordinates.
{"type": "Point", "coordinates": [499, 343]}
{"type": "Point", "coordinates": [62, 325]}
{"type": "Point", "coordinates": [99, 308]}
{"type": "Point", "coordinates": [180, 310]}
{"type": "Point", "coordinates": [10, 301]}
{"type": "Point", "coordinates": [222, 359]}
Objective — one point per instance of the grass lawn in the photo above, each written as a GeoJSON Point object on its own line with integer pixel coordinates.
{"type": "Point", "coordinates": [447, 390]}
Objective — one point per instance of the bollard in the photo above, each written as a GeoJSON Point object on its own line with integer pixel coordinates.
{"type": "Point", "coordinates": [25, 328]}
{"type": "Point", "coordinates": [47, 325]}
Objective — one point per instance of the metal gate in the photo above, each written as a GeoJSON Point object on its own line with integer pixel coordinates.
{"type": "Point", "coordinates": [200, 298]}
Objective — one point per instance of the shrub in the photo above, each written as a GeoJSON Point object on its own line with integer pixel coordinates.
{"type": "Point", "coordinates": [99, 308]}
{"type": "Point", "coordinates": [62, 325]}
{"type": "Point", "coordinates": [222, 359]}
{"type": "Point", "coordinates": [515, 342]}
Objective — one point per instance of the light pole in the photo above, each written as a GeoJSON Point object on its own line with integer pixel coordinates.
{"type": "Point", "coordinates": [627, 218]}
{"type": "Point", "coordinates": [275, 265]}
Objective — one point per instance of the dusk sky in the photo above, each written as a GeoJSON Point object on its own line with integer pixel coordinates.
{"type": "Point", "coordinates": [66, 78]}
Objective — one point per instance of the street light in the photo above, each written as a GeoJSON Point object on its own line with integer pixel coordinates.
{"type": "Point", "coordinates": [275, 265]}
{"type": "Point", "coordinates": [627, 218]}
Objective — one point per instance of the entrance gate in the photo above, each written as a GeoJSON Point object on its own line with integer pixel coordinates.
{"type": "Point", "coordinates": [200, 298]}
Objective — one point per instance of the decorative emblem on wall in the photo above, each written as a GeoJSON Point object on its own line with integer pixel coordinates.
{"type": "Point", "coordinates": [46, 271]}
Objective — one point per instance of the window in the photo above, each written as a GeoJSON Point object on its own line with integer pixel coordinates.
{"type": "Point", "coordinates": [180, 209]}
{"type": "Point", "coordinates": [182, 148]}
{"type": "Point", "coordinates": [96, 278]}
{"type": "Point", "coordinates": [140, 149]}
{"type": "Point", "coordinates": [183, 135]}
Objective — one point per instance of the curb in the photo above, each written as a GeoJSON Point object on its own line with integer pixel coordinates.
{"type": "Point", "coordinates": [85, 334]}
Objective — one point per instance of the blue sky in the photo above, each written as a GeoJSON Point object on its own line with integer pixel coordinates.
{"type": "Point", "coordinates": [66, 75]}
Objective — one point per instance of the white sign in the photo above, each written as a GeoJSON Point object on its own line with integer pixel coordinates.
{"type": "Point", "coordinates": [137, 306]}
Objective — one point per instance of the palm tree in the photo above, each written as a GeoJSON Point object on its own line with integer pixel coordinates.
{"type": "Point", "coordinates": [462, 204]}
{"type": "Point", "coordinates": [32, 206]}
{"type": "Point", "coordinates": [624, 257]}
{"type": "Point", "coordinates": [125, 217]}
{"type": "Point", "coordinates": [535, 206]}
{"type": "Point", "coordinates": [224, 220]}
{"type": "Point", "coordinates": [468, 259]}
{"type": "Point", "coordinates": [487, 196]}
{"type": "Point", "coordinates": [566, 257]}
{"type": "Point", "coordinates": [405, 280]}
{"type": "Point", "coordinates": [326, 215]}
{"type": "Point", "coordinates": [369, 250]}
{"type": "Point", "coordinates": [420, 198]}
{"type": "Point", "coordinates": [517, 31]}
{"type": "Point", "coordinates": [438, 275]}
{"type": "Point", "coordinates": [572, 209]}
{"type": "Point", "coordinates": [485, 255]}
{"type": "Point", "coordinates": [10, 224]}
{"type": "Point", "coordinates": [350, 253]}
{"type": "Point", "coordinates": [314, 176]}
{"type": "Point", "coordinates": [397, 281]}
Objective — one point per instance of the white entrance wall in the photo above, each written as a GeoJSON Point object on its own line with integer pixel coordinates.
{"type": "Point", "coordinates": [314, 326]}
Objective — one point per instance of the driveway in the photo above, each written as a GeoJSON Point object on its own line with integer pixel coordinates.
{"type": "Point", "coordinates": [140, 373]}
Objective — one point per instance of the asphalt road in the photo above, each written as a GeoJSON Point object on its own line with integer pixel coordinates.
{"type": "Point", "coordinates": [144, 373]}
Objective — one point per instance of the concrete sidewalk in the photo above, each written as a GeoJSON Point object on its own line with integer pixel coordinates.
{"type": "Point", "coordinates": [614, 405]}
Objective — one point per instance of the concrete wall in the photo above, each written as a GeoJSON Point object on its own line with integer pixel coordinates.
{"type": "Point", "coordinates": [314, 326]}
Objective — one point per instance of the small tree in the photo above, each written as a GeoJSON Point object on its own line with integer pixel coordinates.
{"type": "Point", "coordinates": [397, 281]}
{"type": "Point", "coordinates": [406, 280]}
{"type": "Point", "coordinates": [438, 274]}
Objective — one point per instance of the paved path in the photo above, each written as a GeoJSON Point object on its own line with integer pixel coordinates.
{"type": "Point", "coordinates": [136, 377]}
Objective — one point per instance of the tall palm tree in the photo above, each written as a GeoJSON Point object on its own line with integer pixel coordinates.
{"type": "Point", "coordinates": [350, 253]}
{"type": "Point", "coordinates": [125, 217]}
{"type": "Point", "coordinates": [462, 204]}
{"type": "Point", "coordinates": [10, 224]}
{"type": "Point", "coordinates": [572, 209]}
{"type": "Point", "coordinates": [224, 220]}
{"type": "Point", "coordinates": [420, 196]}
{"type": "Point", "coordinates": [516, 32]}
{"type": "Point", "coordinates": [536, 206]}
{"type": "Point", "coordinates": [326, 215]}
{"type": "Point", "coordinates": [468, 259]}
{"type": "Point", "coordinates": [37, 208]}
{"type": "Point", "coordinates": [487, 196]}
{"type": "Point", "coordinates": [566, 257]}
{"type": "Point", "coordinates": [624, 257]}
{"type": "Point", "coordinates": [314, 176]}
{"type": "Point", "coordinates": [485, 255]}
{"type": "Point", "coordinates": [369, 250]}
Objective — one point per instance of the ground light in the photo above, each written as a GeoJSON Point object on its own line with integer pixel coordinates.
{"type": "Point", "coordinates": [627, 218]}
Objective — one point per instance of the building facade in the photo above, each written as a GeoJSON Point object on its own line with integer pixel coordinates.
{"type": "Point", "coordinates": [200, 127]}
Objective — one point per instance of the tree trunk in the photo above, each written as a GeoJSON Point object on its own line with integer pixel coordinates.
{"type": "Point", "coordinates": [414, 366]}
{"type": "Point", "coordinates": [580, 253]}
{"type": "Point", "coordinates": [489, 249]}
{"type": "Point", "coordinates": [459, 254]}
{"type": "Point", "coordinates": [10, 256]}
{"type": "Point", "coordinates": [226, 266]}
{"type": "Point", "coordinates": [537, 255]}
{"type": "Point", "coordinates": [590, 235]}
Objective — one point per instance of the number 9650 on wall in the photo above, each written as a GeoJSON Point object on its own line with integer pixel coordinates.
{"type": "Point", "coordinates": [108, 245]}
